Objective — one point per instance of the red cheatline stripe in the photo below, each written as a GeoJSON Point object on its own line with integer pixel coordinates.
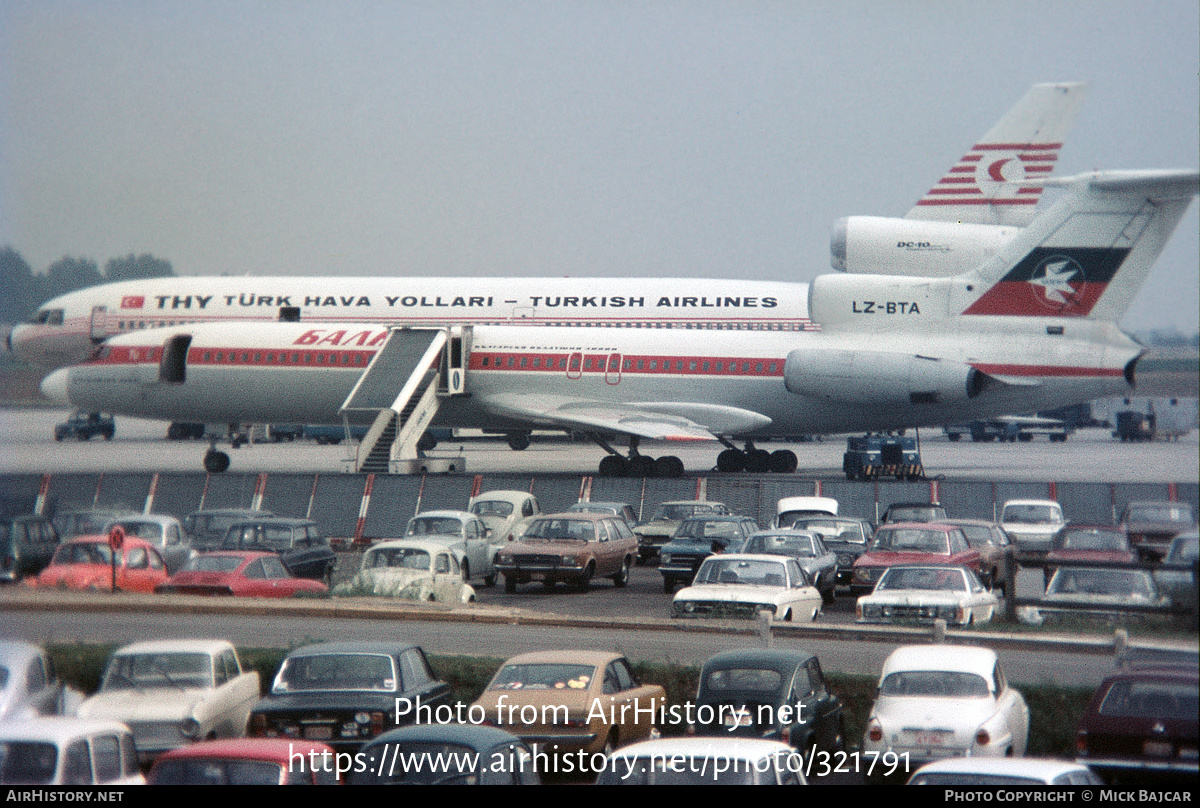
{"type": "Point", "coordinates": [1045, 370]}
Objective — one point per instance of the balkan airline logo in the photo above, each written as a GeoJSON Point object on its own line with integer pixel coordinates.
{"type": "Point", "coordinates": [1053, 281]}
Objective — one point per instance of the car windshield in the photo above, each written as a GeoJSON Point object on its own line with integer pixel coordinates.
{"type": "Point", "coordinates": [684, 770]}
{"type": "Point", "coordinates": [167, 669]}
{"type": "Point", "coordinates": [544, 676]}
{"type": "Point", "coordinates": [955, 684]}
{"type": "Point", "coordinates": [404, 557]}
{"type": "Point", "coordinates": [915, 513]}
{"type": "Point", "coordinates": [675, 513]}
{"type": "Point", "coordinates": [1150, 698]}
{"type": "Point", "coordinates": [83, 553]}
{"type": "Point", "coordinates": [928, 578]}
{"type": "Point", "coordinates": [1161, 513]}
{"type": "Point", "coordinates": [212, 563]}
{"type": "Point", "coordinates": [763, 680]}
{"type": "Point", "coordinates": [336, 672]}
{"type": "Point", "coordinates": [833, 530]}
{"type": "Point", "coordinates": [434, 526]}
{"type": "Point", "coordinates": [1092, 540]}
{"type": "Point", "coordinates": [216, 772]}
{"type": "Point", "coordinates": [561, 530]}
{"type": "Point", "coordinates": [781, 544]}
{"type": "Point", "coordinates": [978, 535]}
{"type": "Point", "coordinates": [1118, 583]}
{"type": "Point", "coordinates": [492, 507]}
{"type": "Point", "coordinates": [1184, 551]}
{"type": "Point", "coordinates": [150, 531]}
{"type": "Point", "coordinates": [27, 762]}
{"type": "Point", "coordinates": [750, 572]}
{"type": "Point", "coordinates": [707, 529]}
{"type": "Point", "coordinates": [1032, 514]}
{"type": "Point", "coordinates": [911, 540]}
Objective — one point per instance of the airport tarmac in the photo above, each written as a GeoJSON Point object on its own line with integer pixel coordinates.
{"type": "Point", "coordinates": [27, 446]}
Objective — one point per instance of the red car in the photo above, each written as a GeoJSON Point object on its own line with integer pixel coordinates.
{"type": "Point", "coordinates": [1141, 723]}
{"type": "Point", "coordinates": [247, 762]}
{"type": "Point", "coordinates": [246, 574]}
{"type": "Point", "coordinates": [1088, 543]}
{"type": "Point", "coordinates": [912, 543]}
{"type": "Point", "coordinates": [85, 562]}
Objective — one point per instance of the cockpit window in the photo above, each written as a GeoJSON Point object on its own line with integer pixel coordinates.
{"type": "Point", "coordinates": [48, 317]}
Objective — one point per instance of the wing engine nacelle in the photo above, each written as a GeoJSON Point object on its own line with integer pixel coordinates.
{"type": "Point", "coordinates": [872, 377]}
{"type": "Point", "coordinates": [881, 246]}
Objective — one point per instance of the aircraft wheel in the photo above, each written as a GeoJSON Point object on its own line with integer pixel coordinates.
{"type": "Point", "coordinates": [640, 466]}
{"type": "Point", "coordinates": [668, 466]}
{"type": "Point", "coordinates": [731, 460]}
{"type": "Point", "coordinates": [758, 461]}
{"type": "Point", "coordinates": [215, 462]}
{"type": "Point", "coordinates": [784, 461]}
{"type": "Point", "coordinates": [612, 466]}
{"type": "Point", "coordinates": [518, 441]}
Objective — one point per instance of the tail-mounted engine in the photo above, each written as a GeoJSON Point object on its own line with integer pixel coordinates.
{"type": "Point", "coordinates": [876, 245]}
{"type": "Point", "coordinates": [870, 377]}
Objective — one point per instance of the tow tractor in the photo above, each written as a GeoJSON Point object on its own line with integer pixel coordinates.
{"type": "Point", "coordinates": [882, 455]}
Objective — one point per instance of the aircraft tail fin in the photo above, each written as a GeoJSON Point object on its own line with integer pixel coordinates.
{"type": "Point", "coordinates": [1089, 253]}
{"type": "Point", "coordinates": [981, 188]}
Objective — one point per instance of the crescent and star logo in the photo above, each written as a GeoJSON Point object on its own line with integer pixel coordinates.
{"type": "Point", "coordinates": [1059, 280]}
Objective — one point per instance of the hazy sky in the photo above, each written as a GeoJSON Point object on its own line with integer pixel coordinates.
{"type": "Point", "coordinates": [566, 137]}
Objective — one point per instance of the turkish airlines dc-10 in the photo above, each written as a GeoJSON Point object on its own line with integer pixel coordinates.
{"type": "Point", "coordinates": [1032, 327]}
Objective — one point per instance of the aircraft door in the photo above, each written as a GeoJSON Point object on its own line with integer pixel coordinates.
{"type": "Point", "coordinates": [612, 373]}
{"type": "Point", "coordinates": [575, 365]}
{"type": "Point", "coordinates": [99, 324]}
{"type": "Point", "coordinates": [172, 368]}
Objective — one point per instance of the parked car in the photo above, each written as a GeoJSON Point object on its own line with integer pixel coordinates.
{"type": "Point", "coordinates": [621, 510]}
{"type": "Point", "coordinates": [62, 751]}
{"type": "Point", "coordinates": [530, 693]}
{"type": "Point", "coordinates": [29, 684]}
{"type": "Point", "coordinates": [206, 529]}
{"type": "Point", "coordinates": [87, 521]}
{"type": "Point", "coordinates": [463, 532]}
{"type": "Point", "coordinates": [298, 542]}
{"type": "Point", "coordinates": [164, 532]}
{"type": "Point", "coordinates": [912, 543]}
{"type": "Point", "coordinates": [922, 594]}
{"type": "Point", "coordinates": [26, 545]}
{"type": "Point", "coordinates": [913, 512]}
{"type": "Point", "coordinates": [744, 586]}
{"type": "Point", "coordinates": [85, 426]}
{"type": "Point", "coordinates": [572, 548]}
{"type": "Point", "coordinates": [696, 539]}
{"type": "Point", "coordinates": [85, 562]}
{"type": "Point", "coordinates": [1179, 585]}
{"type": "Point", "coordinates": [1142, 722]}
{"type": "Point", "coordinates": [773, 693]}
{"type": "Point", "coordinates": [847, 537]}
{"type": "Point", "coordinates": [656, 531]}
{"type": "Point", "coordinates": [705, 761]}
{"type": "Point", "coordinates": [1087, 543]}
{"type": "Point", "coordinates": [411, 569]}
{"type": "Point", "coordinates": [997, 553]}
{"type": "Point", "coordinates": [942, 701]}
{"type": "Point", "coordinates": [506, 513]}
{"type": "Point", "coordinates": [175, 692]}
{"type": "Point", "coordinates": [1025, 771]}
{"type": "Point", "coordinates": [789, 509]}
{"type": "Point", "coordinates": [346, 693]}
{"type": "Point", "coordinates": [1151, 525]}
{"type": "Point", "coordinates": [247, 762]}
{"type": "Point", "coordinates": [475, 755]}
{"type": "Point", "coordinates": [1031, 523]}
{"type": "Point", "coordinates": [1097, 592]}
{"type": "Point", "coordinates": [818, 562]}
{"type": "Point", "coordinates": [243, 574]}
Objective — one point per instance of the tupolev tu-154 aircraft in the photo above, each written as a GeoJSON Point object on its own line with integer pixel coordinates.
{"type": "Point", "coordinates": [1033, 327]}
{"type": "Point", "coordinates": [978, 205]}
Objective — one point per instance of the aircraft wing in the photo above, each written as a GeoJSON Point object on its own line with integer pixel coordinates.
{"type": "Point", "coordinates": [671, 420]}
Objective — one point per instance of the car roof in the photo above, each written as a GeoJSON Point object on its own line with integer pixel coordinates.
{"type": "Point", "coordinates": [427, 545]}
{"type": "Point", "coordinates": [770, 658]}
{"type": "Point", "coordinates": [209, 646]}
{"type": "Point", "coordinates": [273, 749]}
{"type": "Point", "coordinates": [156, 518]}
{"type": "Point", "coordinates": [16, 653]}
{"type": "Point", "coordinates": [923, 525]}
{"type": "Point", "coordinates": [597, 658]}
{"type": "Point", "coordinates": [1041, 768]}
{"type": "Point", "coordinates": [353, 647]}
{"type": "Point", "coordinates": [732, 748]}
{"type": "Point", "coordinates": [1008, 502]}
{"type": "Point", "coordinates": [503, 495]}
{"type": "Point", "coordinates": [58, 729]}
{"type": "Point", "coordinates": [130, 541]}
{"type": "Point", "coordinates": [446, 513]}
{"type": "Point", "coordinates": [273, 520]}
{"type": "Point", "coordinates": [578, 516]}
{"type": "Point", "coordinates": [942, 657]}
{"type": "Point", "coordinates": [775, 559]}
{"type": "Point", "coordinates": [479, 736]}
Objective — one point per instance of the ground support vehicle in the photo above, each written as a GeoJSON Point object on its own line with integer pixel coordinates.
{"type": "Point", "coordinates": [876, 455]}
{"type": "Point", "coordinates": [85, 426]}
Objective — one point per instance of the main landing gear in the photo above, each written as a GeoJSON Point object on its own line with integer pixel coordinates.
{"type": "Point", "coordinates": [756, 461]}
{"type": "Point", "coordinates": [636, 465]}
{"type": "Point", "coordinates": [216, 462]}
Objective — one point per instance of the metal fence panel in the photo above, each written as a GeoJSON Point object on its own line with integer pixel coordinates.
{"type": "Point", "coordinates": [336, 503]}
{"type": "Point", "coordinates": [393, 503]}
{"type": "Point", "coordinates": [19, 492]}
{"type": "Point", "coordinates": [127, 490]}
{"type": "Point", "coordinates": [228, 491]}
{"type": "Point", "coordinates": [178, 494]}
{"type": "Point", "coordinates": [288, 494]}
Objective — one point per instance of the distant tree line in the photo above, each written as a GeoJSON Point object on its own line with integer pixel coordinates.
{"type": "Point", "coordinates": [22, 290]}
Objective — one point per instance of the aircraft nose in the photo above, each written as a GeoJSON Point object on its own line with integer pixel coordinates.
{"type": "Point", "coordinates": [54, 386]}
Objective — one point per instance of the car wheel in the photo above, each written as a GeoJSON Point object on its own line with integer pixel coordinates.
{"type": "Point", "coordinates": [548, 584]}
{"type": "Point", "coordinates": [466, 570]}
{"type": "Point", "coordinates": [669, 586]}
{"type": "Point", "coordinates": [621, 578]}
{"type": "Point", "coordinates": [584, 582]}
{"type": "Point", "coordinates": [489, 580]}
{"type": "Point", "coordinates": [510, 584]}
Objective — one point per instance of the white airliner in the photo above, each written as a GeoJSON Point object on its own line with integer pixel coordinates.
{"type": "Point", "coordinates": [944, 234]}
{"type": "Point", "coordinates": [1031, 328]}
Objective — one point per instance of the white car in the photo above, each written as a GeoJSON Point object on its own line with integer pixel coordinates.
{"type": "Point", "coordinates": [412, 569]}
{"type": "Point", "coordinates": [922, 594]}
{"type": "Point", "coordinates": [1032, 523]}
{"type": "Point", "coordinates": [1004, 772]}
{"type": "Point", "coordinates": [463, 532]}
{"type": "Point", "coordinates": [58, 751]}
{"type": "Point", "coordinates": [174, 692]}
{"type": "Point", "coordinates": [704, 761]}
{"type": "Point", "coordinates": [942, 701]}
{"type": "Point", "coordinates": [744, 586]}
{"type": "Point", "coordinates": [789, 509]}
{"type": "Point", "coordinates": [506, 513]}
